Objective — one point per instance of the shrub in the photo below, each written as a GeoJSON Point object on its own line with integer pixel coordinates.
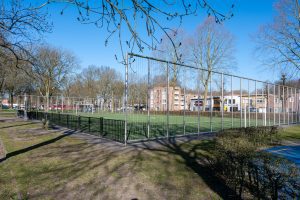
{"type": "Point", "coordinates": [238, 160]}
{"type": "Point", "coordinates": [273, 177]}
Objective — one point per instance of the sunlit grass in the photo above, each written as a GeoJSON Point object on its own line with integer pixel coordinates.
{"type": "Point", "coordinates": [290, 133]}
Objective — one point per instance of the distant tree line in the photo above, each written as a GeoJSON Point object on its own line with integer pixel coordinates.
{"type": "Point", "coordinates": [51, 71]}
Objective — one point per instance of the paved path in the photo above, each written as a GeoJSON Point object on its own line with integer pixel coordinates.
{"type": "Point", "coordinates": [291, 152]}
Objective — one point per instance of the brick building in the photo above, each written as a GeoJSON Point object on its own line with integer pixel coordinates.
{"type": "Point", "coordinates": [177, 100]}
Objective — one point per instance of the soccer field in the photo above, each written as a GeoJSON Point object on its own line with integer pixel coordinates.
{"type": "Point", "coordinates": [158, 126]}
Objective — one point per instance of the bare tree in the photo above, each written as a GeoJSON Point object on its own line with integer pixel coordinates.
{"type": "Point", "coordinates": [3, 77]}
{"type": "Point", "coordinates": [102, 82]}
{"type": "Point", "coordinates": [137, 90]}
{"type": "Point", "coordinates": [118, 93]}
{"type": "Point", "coordinates": [50, 69]}
{"type": "Point", "coordinates": [16, 82]}
{"type": "Point", "coordinates": [89, 80]}
{"type": "Point", "coordinates": [67, 83]}
{"type": "Point", "coordinates": [12, 80]}
{"type": "Point", "coordinates": [134, 18]}
{"type": "Point", "coordinates": [179, 54]}
{"type": "Point", "coordinates": [279, 42]}
{"type": "Point", "coordinates": [212, 50]}
{"type": "Point", "coordinates": [108, 86]}
{"type": "Point", "coordinates": [20, 27]}
{"type": "Point", "coordinates": [160, 80]}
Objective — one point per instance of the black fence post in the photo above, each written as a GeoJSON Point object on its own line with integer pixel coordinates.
{"type": "Point", "coordinates": [89, 121]}
{"type": "Point", "coordinates": [101, 125]}
{"type": "Point", "coordinates": [59, 121]}
{"type": "Point", "coordinates": [78, 123]}
{"type": "Point", "coordinates": [68, 121]}
{"type": "Point", "coordinates": [46, 116]}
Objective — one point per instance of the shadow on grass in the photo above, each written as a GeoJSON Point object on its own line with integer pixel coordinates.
{"type": "Point", "coordinates": [111, 171]}
{"type": "Point", "coordinates": [21, 151]}
{"type": "Point", "coordinates": [291, 137]}
{"type": "Point", "coordinates": [3, 127]}
{"type": "Point", "coordinates": [195, 160]}
{"type": "Point", "coordinates": [193, 154]}
{"type": "Point", "coordinates": [87, 157]}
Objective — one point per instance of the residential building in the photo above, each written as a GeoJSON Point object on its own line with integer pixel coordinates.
{"type": "Point", "coordinates": [213, 103]}
{"type": "Point", "coordinates": [176, 97]}
{"type": "Point", "coordinates": [232, 103]}
{"type": "Point", "coordinates": [260, 103]}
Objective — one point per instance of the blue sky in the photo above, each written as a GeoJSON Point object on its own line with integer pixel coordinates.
{"type": "Point", "coordinates": [87, 41]}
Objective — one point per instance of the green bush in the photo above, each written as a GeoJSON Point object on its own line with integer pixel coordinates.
{"type": "Point", "coordinates": [273, 177]}
{"type": "Point", "coordinates": [239, 161]}
{"type": "Point", "coordinates": [260, 136]}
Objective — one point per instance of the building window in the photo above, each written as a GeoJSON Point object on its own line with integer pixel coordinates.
{"type": "Point", "coordinates": [229, 101]}
{"type": "Point", "coordinates": [259, 100]}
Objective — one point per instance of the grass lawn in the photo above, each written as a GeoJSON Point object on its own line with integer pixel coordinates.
{"type": "Point", "coordinates": [8, 113]}
{"type": "Point", "coordinates": [290, 133]}
{"type": "Point", "coordinates": [50, 165]}
{"type": "Point", "coordinates": [56, 167]}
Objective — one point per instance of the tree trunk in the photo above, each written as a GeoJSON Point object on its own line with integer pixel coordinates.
{"type": "Point", "coordinates": [11, 96]}
{"type": "Point", "coordinates": [0, 101]}
{"type": "Point", "coordinates": [1, 92]}
{"type": "Point", "coordinates": [47, 101]}
{"type": "Point", "coordinates": [205, 91]}
{"type": "Point", "coordinates": [112, 103]}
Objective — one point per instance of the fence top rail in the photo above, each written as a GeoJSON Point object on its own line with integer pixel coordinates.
{"type": "Point", "coordinates": [193, 67]}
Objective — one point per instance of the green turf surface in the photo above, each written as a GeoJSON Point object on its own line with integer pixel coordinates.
{"type": "Point", "coordinates": [113, 126]}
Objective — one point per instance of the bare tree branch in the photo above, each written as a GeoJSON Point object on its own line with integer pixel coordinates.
{"type": "Point", "coordinates": [136, 16]}
{"type": "Point", "coordinates": [278, 42]}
